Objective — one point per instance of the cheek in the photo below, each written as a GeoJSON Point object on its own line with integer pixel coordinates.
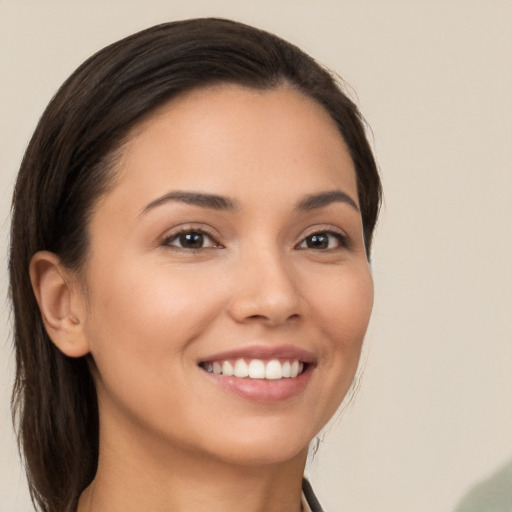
{"type": "Point", "coordinates": [143, 318]}
{"type": "Point", "coordinates": [345, 303]}
{"type": "Point", "coordinates": [343, 309]}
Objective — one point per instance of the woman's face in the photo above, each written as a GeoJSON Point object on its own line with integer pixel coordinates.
{"type": "Point", "coordinates": [231, 240]}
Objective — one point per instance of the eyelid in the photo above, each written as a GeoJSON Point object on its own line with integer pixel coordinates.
{"type": "Point", "coordinates": [174, 233]}
{"type": "Point", "coordinates": [344, 240]}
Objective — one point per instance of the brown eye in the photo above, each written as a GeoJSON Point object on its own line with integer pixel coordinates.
{"type": "Point", "coordinates": [190, 240]}
{"type": "Point", "coordinates": [323, 241]}
{"type": "Point", "coordinates": [317, 241]}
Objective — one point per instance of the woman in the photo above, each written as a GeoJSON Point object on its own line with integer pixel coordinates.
{"type": "Point", "coordinates": [190, 277]}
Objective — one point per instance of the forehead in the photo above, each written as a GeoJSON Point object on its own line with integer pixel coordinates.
{"type": "Point", "coordinates": [232, 140]}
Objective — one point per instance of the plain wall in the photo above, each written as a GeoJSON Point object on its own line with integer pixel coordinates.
{"type": "Point", "coordinates": [434, 413]}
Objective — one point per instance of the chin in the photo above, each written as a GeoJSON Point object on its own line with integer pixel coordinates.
{"type": "Point", "coordinates": [264, 455]}
{"type": "Point", "coordinates": [263, 443]}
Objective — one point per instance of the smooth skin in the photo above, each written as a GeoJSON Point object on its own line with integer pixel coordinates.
{"type": "Point", "coordinates": [168, 283]}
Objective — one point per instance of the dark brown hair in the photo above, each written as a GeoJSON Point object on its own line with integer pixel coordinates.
{"type": "Point", "coordinates": [68, 165]}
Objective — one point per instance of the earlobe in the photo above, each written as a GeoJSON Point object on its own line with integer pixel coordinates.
{"type": "Point", "coordinates": [60, 303]}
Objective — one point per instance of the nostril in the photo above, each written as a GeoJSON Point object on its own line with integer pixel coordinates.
{"type": "Point", "coordinates": [273, 319]}
{"type": "Point", "coordinates": [256, 317]}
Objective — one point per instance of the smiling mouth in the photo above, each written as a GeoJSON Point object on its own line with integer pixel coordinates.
{"type": "Point", "coordinates": [273, 369]}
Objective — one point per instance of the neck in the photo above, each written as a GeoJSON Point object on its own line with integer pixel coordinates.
{"type": "Point", "coordinates": [136, 474]}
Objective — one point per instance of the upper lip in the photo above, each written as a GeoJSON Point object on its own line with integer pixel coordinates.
{"type": "Point", "coordinates": [287, 352]}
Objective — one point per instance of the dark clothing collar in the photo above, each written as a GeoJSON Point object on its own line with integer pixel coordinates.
{"type": "Point", "coordinates": [310, 496]}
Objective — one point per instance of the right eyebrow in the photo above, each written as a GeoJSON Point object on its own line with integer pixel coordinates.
{"type": "Point", "coordinates": [211, 201]}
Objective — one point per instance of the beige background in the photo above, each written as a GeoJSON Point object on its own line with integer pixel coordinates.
{"type": "Point", "coordinates": [434, 413]}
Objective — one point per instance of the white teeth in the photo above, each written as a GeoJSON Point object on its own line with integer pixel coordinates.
{"type": "Point", "coordinates": [287, 369]}
{"type": "Point", "coordinates": [227, 368]}
{"type": "Point", "coordinates": [241, 369]}
{"type": "Point", "coordinates": [294, 369]}
{"type": "Point", "coordinates": [257, 369]}
{"type": "Point", "coordinates": [273, 370]}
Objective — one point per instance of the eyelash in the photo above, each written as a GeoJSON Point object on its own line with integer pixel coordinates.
{"type": "Point", "coordinates": [191, 231]}
{"type": "Point", "coordinates": [341, 240]}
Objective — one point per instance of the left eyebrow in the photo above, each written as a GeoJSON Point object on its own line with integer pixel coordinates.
{"type": "Point", "coordinates": [322, 199]}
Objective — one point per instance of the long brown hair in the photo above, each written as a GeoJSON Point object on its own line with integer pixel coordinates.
{"type": "Point", "coordinates": [68, 165]}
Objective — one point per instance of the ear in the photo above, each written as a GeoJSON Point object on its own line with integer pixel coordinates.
{"type": "Point", "coordinates": [60, 302]}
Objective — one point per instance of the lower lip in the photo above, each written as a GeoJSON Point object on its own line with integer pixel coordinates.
{"type": "Point", "coordinates": [262, 390]}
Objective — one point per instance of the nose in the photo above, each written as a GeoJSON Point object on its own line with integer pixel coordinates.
{"type": "Point", "coordinates": [265, 290]}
